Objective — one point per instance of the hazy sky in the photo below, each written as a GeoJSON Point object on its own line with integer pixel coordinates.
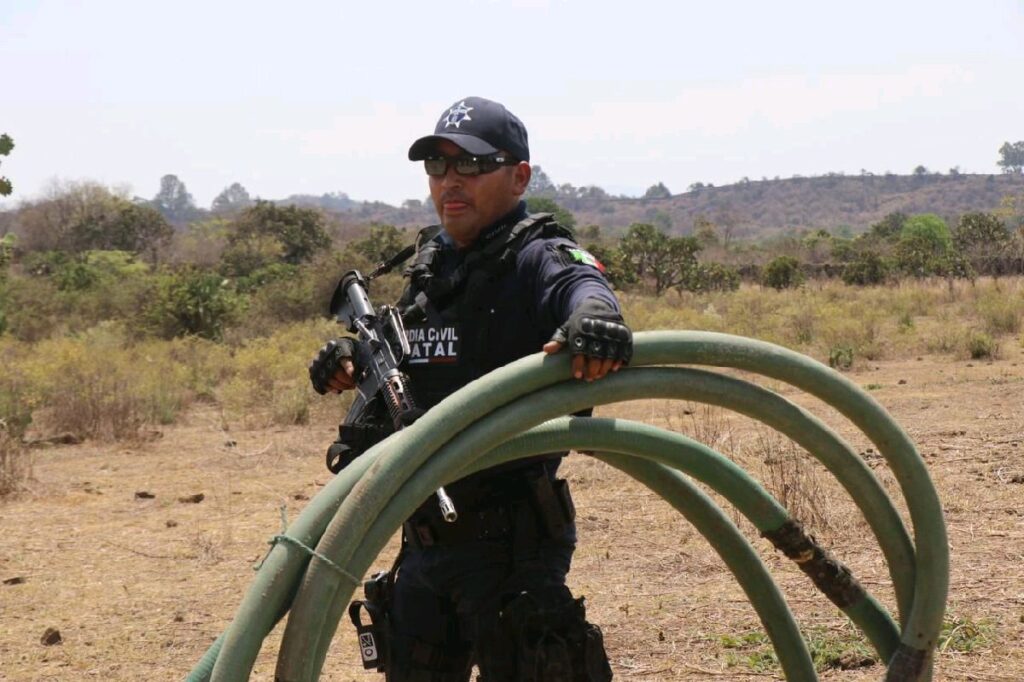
{"type": "Point", "coordinates": [314, 97]}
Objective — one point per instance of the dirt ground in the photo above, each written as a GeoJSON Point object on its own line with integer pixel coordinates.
{"type": "Point", "coordinates": [139, 585]}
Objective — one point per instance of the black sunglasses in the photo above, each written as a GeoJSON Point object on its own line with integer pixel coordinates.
{"type": "Point", "coordinates": [468, 165]}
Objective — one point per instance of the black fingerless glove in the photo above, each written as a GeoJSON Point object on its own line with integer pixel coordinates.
{"type": "Point", "coordinates": [328, 361]}
{"type": "Point", "coordinates": [596, 330]}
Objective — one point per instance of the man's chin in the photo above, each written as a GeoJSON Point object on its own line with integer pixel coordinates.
{"type": "Point", "coordinates": [462, 228]}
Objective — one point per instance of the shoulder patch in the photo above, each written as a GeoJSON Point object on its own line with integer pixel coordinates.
{"type": "Point", "coordinates": [575, 254]}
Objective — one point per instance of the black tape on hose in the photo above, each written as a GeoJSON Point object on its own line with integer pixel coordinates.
{"type": "Point", "coordinates": [828, 574]}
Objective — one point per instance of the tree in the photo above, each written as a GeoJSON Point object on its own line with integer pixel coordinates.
{"type": "Point", "coordinates": [649, 252]}
{"type": "Point", "coordinates": [173, 200]}
{"type": "Point", "coordinates": [85, 216]}
{"type": "Point", "coordinates": [233, 198]}
{"type": "Point", "coordinates": [889, 227]}
{"type": "Point", "coordinates": [383, 242]}
{"type": "Point", "coordinates": [6, 145]}
{"type": "Point", "coordinates": [783, 272]}
{"type": "Point", "coordinates": [122, 226]}
{"type": "Point", "coordinates": [925, 247]}
{"type": "Point", "coordinates": [705, 231]}
{"type": "Point", "coordinates": [616, 269]}
{"type": "Point", "coordinates": [298, 231]}
{"type": "Point", "coordinates": [657, 191]}
{"type": "Point", "coordinates": [540, 183]}
{"type": "Point", "coordinates": [1012, 157]}
{"type": "Point", "coordinates": [984, 240]}
{"type": "Point", "coordinates": [537, 204]}
{"type": "Point", "coordinates": [867, 268]}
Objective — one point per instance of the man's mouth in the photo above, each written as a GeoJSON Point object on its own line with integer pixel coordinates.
{"type": "Point", "coordinates": [453, 206]}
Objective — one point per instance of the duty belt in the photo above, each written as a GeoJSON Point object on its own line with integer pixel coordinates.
{"type": "Point", "coordinates": [547, 513]}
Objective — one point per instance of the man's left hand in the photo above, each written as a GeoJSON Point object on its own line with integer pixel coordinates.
{"type": "Point", "coordinates": [598, 338]}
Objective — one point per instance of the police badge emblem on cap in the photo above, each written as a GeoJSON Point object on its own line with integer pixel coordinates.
{"type": "Point", "coordinates": [480, 126]}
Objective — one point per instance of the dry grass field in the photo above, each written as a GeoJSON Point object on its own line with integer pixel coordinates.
{"type": "Point", "coordinates": [107, 545]}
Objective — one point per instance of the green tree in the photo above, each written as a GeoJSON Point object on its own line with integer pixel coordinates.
{"type": "Point", "coordinates": [174, 200]}
{"type": "Point", "coordinates": [657, 191]}
{"type": "Point", "coordinates": [783, 272]}
{"type": "Point", "coordinates": [233, 198]}
{"type": "Point", "coordinates": [6, 145]}
{"type": "Point", "coordinates": [540, 184]}
{"type": "Point", "coordinates": [889, 227]}
{"type": "Point", "coordinates": [383, 242]}
{"type": "Point", "coordinates": [1012, 157]}
{"type": "Point", "coordinates": [925, 247]}
{"type": "Point", "coordinates": [983, 240]}
{"type": "Point", "coordinates": [122, 226]}
{"type": "Point", "coordinates": [86, 216]}
{"type": "Point", "coordinates": [543, 204]}
{"type": "Point", "coordinates": [616, 269]}
{"type": "Point", "coordinates": [867, 267]}
{"type": "Point", "coordinates": [649, 252]}
{"type": "Point", "coordinates": [299, 232]}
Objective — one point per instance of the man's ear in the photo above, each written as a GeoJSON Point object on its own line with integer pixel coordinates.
{"type": "Point", "coordinates": [521, 174]}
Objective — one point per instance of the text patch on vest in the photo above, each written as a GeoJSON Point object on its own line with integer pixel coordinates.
{"type": "Point", "coordinates": [433, 345]}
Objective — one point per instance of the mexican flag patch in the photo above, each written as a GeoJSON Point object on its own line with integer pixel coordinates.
{"type": "Point", "coordinates": [585, 258]}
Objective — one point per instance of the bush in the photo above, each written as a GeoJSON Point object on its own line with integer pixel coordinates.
{"type": "Point", "coordinates": [783, 272]}
{"type": "Point", "coordinates": [99, 386]}
{"type": "Point", "coordinates": [191, 302]}
{"type": "Point", "coordinates": [713, 277]}
{"type": "Point", "coordinates": [999, 313]}
{"type": "Point", "coordinates": [981, 346]}
{"type": "Point", "coordinates": [869, 268]}
{"type": "Point", "coordinates": [271, 379]}
{"type": "Point", "coordinates": [840, 357]}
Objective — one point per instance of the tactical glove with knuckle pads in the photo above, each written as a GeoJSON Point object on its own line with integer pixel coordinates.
{"type": "Point", "coordinates": [596, 330]}
{"type": "Point", "coordinates": [327, 362]}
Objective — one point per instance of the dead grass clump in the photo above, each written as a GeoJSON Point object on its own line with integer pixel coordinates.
{"type": "Point", "coordinates": [706, 424]}
{"type": "Point", "coordinates": [15, 462]}
{"type": "Point", "coordinates": [979, 345]}
{"type": "Point", "coordinates": [793, 479]}
{"type": "Point", "coordinates": [999, 313]}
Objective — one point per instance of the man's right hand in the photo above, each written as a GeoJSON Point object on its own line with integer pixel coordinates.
{"type": "Point", "coordinates": [332, 369]}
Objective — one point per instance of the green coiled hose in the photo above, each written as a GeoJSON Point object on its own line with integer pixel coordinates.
{"type": "Point", "coordinates": [492, 420]}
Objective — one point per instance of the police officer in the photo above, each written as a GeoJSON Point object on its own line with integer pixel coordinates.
{"type": "Point", "coordinates": [490, 285]}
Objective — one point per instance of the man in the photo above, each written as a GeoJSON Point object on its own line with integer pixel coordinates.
{"type": "Point", "coordinates": [492, 285]}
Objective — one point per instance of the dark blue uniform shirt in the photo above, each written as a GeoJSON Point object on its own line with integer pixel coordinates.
{"type": "Point", "coordinates": [510, 316]}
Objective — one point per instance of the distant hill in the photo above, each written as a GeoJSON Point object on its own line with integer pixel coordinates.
{"type": "Point", "coordinates": [769, 207]}
{"type": "Point", "coordinates": [754, 209]}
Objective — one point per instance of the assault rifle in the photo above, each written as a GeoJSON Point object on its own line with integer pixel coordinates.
{"type": "Point", "coordinates": [384, 345]}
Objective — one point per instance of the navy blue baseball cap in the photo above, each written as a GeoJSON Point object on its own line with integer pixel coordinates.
{"type": "Point", "coordinates": [479, 126]}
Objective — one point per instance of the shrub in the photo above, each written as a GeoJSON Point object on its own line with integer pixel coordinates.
{"type": "Point", "coordinates": [271, 378]}
{"type": "Point", "coordinates": [1000, 314]}
{"type": "Point", "coordinates": [713, 277]}
{"type": "Point", "coordinates": [783, 272]}
{"type": "Point", "coordinates": [869, 268]}
{"type": "Point", "coordinates": [980, 345]}
{"type": "Point", "coordinates": [96, 385]}
{"type": "Point", "coordinates": [840, 357]}
{"type": "Point", "coordinates": [191, 302]}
